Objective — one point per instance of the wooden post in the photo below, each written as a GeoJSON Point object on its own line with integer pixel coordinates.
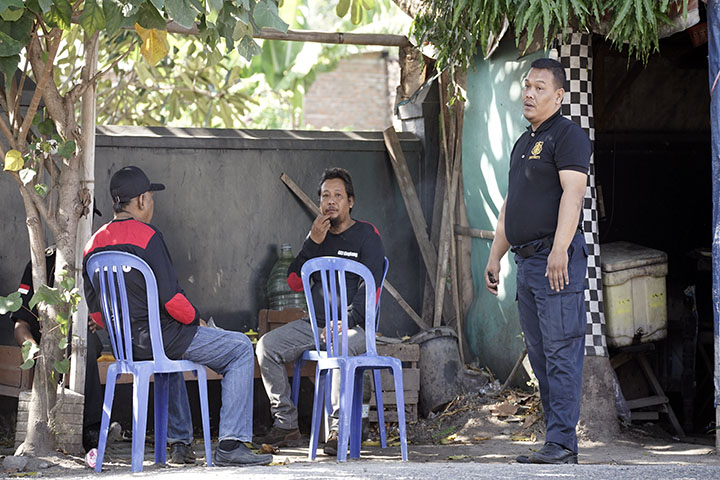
{"type": "Point", "coordinates": [412, 203]}
{"type": "Point", "coordinates": [80, 319]}
{"type": "Point", "coordinates": [387, 285]}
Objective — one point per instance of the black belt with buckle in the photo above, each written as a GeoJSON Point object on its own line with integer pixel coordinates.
{"type": "Point", "coordinates": [529, 249]}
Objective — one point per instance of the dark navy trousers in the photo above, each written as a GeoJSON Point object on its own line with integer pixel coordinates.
{"type": "Point", "coordinates": [554, 328]}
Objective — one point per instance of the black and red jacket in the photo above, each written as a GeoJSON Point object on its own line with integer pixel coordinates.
{"type": "Point", "coordinates": [362, 243]}
{"type": "Point", "coordinates": [178, 317]}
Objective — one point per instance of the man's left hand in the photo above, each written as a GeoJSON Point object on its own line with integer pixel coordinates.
{"type": "Point", "coordinates": [557, 270]}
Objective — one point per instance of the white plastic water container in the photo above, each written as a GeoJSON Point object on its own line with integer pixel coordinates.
{"type": "Point", "coordinates": [634, 293]}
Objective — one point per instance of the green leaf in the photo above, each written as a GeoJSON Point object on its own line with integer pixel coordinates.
{"type": "Point", "coordinates": [5, 4]}
{"type": "Point", "coordinates": [149, 18]}
{"type": "Point", "coordinates": [114, 18]}
{"type": "Point", "coordinates": [15, 35]}
{"type": "Point", "coordinates": [46, 127]}
{"type": "Point", "coordinates": [45, 5]}
{"type": "Point", "coordinates": [62, 366]}
{"type": "Point", "coordinates": [41, 189]}
{"type": "Point", "coordinates": [159, 4]}
{"type": "Point", "coordinates": [266, 14]}
{"type": "Point", "coordinates": [92, 17]}
{"type": "Point", "coordinates": [27, 175]}
{"type": "Point", "coordinates": [12, 14]}
{"type": "Point", "coordinates": [50, 296]}
{"type": "Point", "coordinates": [68, 283]}
{"type": "Point", "coordinates": [67, 150]}
{"type": "Point", "coordinates": [8, 66]}
{"type": "Point", "coordinates": [342, 8]}
{"type": "Point", "coordinates": [216, 4]}
{"type": "Point", "coordinates": [182, 11]}
{"type": "Point", "coordinates": [248, 48]}
{"type": "Point", "coordinates": [62, 345]}
{"type": "Point", "coordinates": [368, 4]}
{"type": "Point", "coordinates": [11, 303]}
{"type": "Point", "coordinates": [60, 14]}
{"type": "Point", "coordinates": [28, 350]}
{"type": "Point", "coordinates": [356, 12]}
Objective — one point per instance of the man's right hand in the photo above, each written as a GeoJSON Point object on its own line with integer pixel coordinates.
{"type": "Point", "coordinates": [320, 227]}
{"type": "Point", "coordinates": [492, 276]}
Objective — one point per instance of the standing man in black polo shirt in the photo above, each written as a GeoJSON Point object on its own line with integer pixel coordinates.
{"type": "Point", "coordinates": [540, 221]}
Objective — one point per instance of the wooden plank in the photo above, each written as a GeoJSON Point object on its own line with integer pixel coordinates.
{"type": "Point", "coordinates": [655, 385]}
{"type": "Point", "coordinates": [405, 352]}
{"type": "Point", "coordinates": [410, 396]}
{"type": "Point", "coordinates": [9, 391]}
{"type": "Point", "coordinates": [308, 370]}
{"type": "Point", "coordinates": [474, 232]}
{"type": "Point", "coordinates": [391, 290]}
{"type": "Point", "coordinates": [646, 402]}
{"type": "Point", "coordinates": [410, 198]}
{"type": "Point", "coordinates": [411, 380]}
{"type": "Point", "coordinates": [390, 414]}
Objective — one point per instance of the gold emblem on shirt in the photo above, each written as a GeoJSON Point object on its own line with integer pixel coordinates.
{"type": "Point", "coordinates": [537, 148]}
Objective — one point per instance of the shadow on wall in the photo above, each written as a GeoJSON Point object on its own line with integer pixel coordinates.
{"type": "Point", "coordinates": [493, 121]}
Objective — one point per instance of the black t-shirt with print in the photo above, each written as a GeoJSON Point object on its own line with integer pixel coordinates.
{"type": "Point", "coordinates": [534, 188]}
{"type": "Point", "coordinates": [362, 243]}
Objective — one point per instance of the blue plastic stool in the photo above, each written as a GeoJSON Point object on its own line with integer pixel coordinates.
{"type": "Point", "coordinates": [107, 271]}
{"type": "Point", "coordinates": [335, 356]}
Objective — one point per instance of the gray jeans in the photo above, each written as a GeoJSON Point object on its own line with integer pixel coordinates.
{"type": "Point", "coordinates": [285, 344]}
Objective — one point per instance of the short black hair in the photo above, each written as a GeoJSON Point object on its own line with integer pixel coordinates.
{"type": "Point", "coordinates": [340, 173]}
{"type": "Point", "coordinates": [119, 206]}
{"type": "Point", "coordinates": [555, 68]}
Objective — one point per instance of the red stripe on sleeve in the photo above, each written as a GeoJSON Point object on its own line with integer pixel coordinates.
{"type": "Point", "coordinates": [97, 318]}
{"type": "Point", "coordinates": [180, 308]}
{"type": "Point", "coordinates": [295, 282]}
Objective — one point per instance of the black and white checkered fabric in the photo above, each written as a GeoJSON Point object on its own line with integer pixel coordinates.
{"type": "Point", "coordinates": [576, 56]}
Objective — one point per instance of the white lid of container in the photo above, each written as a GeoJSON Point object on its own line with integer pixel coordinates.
{"type": "Point", "coordinates": [617, 256]}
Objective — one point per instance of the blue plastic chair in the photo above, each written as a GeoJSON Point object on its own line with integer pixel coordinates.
{"type": "Point", "coordinates": [335, 356]}
{"type": "Point", "coordinates": [107, 271]}
{"type": "Point", "coordinates": [314, 355]}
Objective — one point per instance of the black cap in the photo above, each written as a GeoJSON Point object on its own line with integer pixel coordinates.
{"type": "Point", "coordinates": [129, 182]}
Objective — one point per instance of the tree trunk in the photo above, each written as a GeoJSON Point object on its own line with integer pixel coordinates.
{"type": "Point", "coordinates": [598, 415]}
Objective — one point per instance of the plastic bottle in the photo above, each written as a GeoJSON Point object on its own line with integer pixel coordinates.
{"type": "Point", "coordinates": [279, 294]}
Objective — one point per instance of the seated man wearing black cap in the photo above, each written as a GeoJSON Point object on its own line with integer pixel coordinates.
{"type": "Point", "coordinates": [228, 353]}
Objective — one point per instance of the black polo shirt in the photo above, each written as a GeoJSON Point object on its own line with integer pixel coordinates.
{"type": "Point", "coordinates": [534, 189]}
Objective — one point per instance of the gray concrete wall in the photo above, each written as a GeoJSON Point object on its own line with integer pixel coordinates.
{"type": "Point", "coordinates": [225, 211]}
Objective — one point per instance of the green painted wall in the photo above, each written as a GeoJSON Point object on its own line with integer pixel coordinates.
{"type": "Point", "coordinates": [493, 121]}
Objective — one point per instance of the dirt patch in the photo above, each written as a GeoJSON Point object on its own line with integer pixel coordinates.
{"type": "Point", "coordinates": [477, 417]}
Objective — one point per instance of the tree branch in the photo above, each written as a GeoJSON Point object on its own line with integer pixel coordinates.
{"type": "Point", "coordinates": [79, 89]}
{"type": "Point", "coordinates": [6, 131]}
{"type": "Point", "coordinates": [44, 77]}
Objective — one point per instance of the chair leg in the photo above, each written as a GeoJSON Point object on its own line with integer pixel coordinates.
{"type": "Point", "coordinates": [347, 385]}
{"type": "Point", "coordinates": [377, 380]}
{"type": "Point", "coordinates": [205, 414]}
{"type": "Point", "coordinates": [106, 412]}
{"type": "Point", "coordinates": [320, 376]}
{"type": "Point", "coordinates": [161, 389]}
{"type": "Point", "coordinates": [356, 415]}
{"type": "Point", "coordinates": [297, 367]}
{"type": "Point", "coordinates": [400, 401]}
{"type": "Point", "coordinates": [141, 386]}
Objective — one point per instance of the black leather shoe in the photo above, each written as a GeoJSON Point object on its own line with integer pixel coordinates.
{"type": "Point", "coordinates": [239, 457]}
{"type": "Point", "coordinates": [553, 453]}
{"type": "Point", "coordinates": [522, 459]}
{"type": "Point", "coordinates": [181, 454]}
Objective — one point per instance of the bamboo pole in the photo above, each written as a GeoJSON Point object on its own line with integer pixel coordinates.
{"type": "Point", "coordinates": [340, 38]}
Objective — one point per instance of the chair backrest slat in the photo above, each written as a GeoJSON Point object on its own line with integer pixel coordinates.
{"type": "Point", "coordinates": [110, 268]}
{"type": "Point", "coordinates": [333, 272]}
